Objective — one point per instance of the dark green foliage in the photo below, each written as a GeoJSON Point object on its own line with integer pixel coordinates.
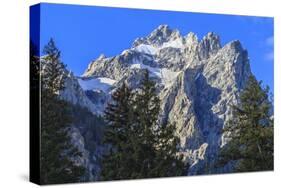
{"type": "Point", "coordinates": [90, 126]}
{"type": "Point", "coordinates": [52, 77]}
{"type": "Point", "coordinates": [141, 148]}
{"type": "Point", "coordinates": [34, 99]}
{"type": "Point", "coordinates": [34, 67]}
{"type": "Point", "coordinates": [251, 144]}
{"type": "Point", "coordinates": [157, 143]}
{"type": "Point", "coordinates": [56, 152]}
{"type": "Point", "coordinates": [118, 115]}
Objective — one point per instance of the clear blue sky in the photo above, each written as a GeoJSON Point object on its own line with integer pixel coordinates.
{"type": "Point", "coordinates": [82, 33]}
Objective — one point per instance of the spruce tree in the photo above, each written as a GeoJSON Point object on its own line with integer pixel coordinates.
{"type": "Point", "coordinates": [34, 67]}
{"type": "Point", "coordinates": [251, 131]}
{"type": "Point", "coordinates": [57, 152]}
{"type": "Point", "coordinates": [116, 165]}
{"type": "Point", "coordinates": [52, 69]}
{"type": "Point", "coordinates": [157, 143]}
{"type": "Point", "coordinates": [141, 148]}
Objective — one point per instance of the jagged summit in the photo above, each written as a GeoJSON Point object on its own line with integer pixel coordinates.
{"type": "Point", "coordinates": [235, 45]}
{"type": "Point", "coordinates": [166, 48]}
{"type": "Point", "coordinates": [210, 44]}
{"type": "Point", "coordinates": [164, 37]}
{"type": "Point", "coordinates": [157, 37]}
{"type": "Point", "coordinates": [191, 38]}
{"type": "Point", "coordinates": [212, 41]}
{"type": "Point", "coordinates": [162, 31]}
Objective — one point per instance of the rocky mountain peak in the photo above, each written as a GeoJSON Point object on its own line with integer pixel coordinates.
{"type": "Point", "coordinates": [162, 29]}
{"type": "Point", "coordinates": [235, 49]}
{"type": "Point", "coordinates": [235, 45]}
{"type": "Point", "coordinates": [209, 45]}
{"type": "Point", "coordinates": [163, 32]}
{"type": "Point", "coordinates": [212, 38]}
{"type": "Point", "coordinates": [158, 37]}
{"type": "Point", "coordinates": [191, 38]}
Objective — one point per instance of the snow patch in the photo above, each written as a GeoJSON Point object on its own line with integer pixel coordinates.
{"type": "Point", "coordinates": [97, 84]}
{"type": "Point", "coordinates": [166, 75]}
{"type": "Point", "coordinates": [147, 49]}
{"type": "Point", "coordinates": [177, 43]}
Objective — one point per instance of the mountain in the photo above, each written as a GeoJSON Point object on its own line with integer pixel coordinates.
{"type": "Point", "coordinates": [197, 80]}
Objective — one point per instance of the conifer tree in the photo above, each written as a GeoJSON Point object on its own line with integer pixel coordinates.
{"type": "Point", "coordinates": [251, 131]}
{"type": "Point", "coordinates": [34, 67]}
{"type": "Point", "coordinates": [117, 164]}
{"type": "Point", "coordinates": [141, 148]}
{"type": "Point", "coordinates": [157, 143]}
{"type": "Point", "coordinates": [52, 69]}
{"type": "Point", "coordinates": [34, 114]}
{"type": "Point", "coordinates": [57, 152]}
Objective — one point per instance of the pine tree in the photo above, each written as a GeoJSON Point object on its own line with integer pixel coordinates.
{"type": "Point", "coordinates": [116, 165]}
{"type": "Point", "coordinates": [52, 70]}
{"type": "Point", "coordinates": [34, 98]}
{"type": "Point", "coordinates": [34, 67]}
{"type": "Point", "coordinates": [57, 152]}
{"type": "Point", "coordinates": [157, 143]}
{"type": "Point", "coordinates": [251, 128]}
{"type": "Point", "coordinates": [141, 148]}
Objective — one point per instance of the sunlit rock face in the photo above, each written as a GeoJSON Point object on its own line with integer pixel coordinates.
{"type": "Point", "coordinates": [196, 81]}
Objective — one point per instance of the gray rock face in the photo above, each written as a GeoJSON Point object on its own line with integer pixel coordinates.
{"type": "Point", "coordinates": [196, 81]}
{"type": "Point", "coordinates": [209, 45]}
{"type": "Point", "coordinates": [75, 94]}
{"type": "Point", "coordinates": [84, 160]}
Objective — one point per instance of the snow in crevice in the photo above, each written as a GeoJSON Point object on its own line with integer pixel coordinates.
{"type": "Point", "coordinates": [147, 49]}
{"type": "Point", "coordinates": [152, 50]}
{"type": "Point", "coordinates": [177, 43]}
{"type": "Point", "coordinates": [97, 84]}
{"type": "Point", "coordinates": [167, 76]}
